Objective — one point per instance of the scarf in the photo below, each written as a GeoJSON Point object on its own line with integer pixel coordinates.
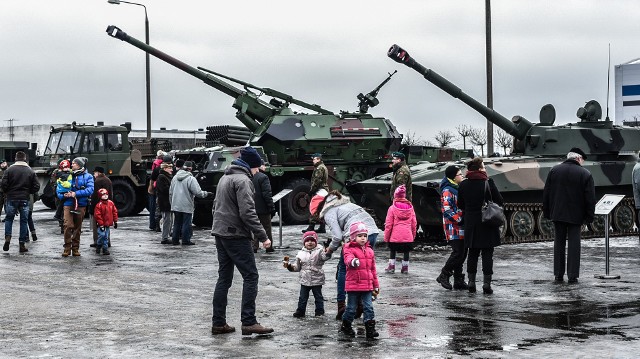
{"type": "Point", "coordinates": [481, 175]}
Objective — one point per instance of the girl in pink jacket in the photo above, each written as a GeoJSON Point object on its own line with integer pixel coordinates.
{"type": "Point", "coordinates": [400, 230]}
{"type": "Point", "coordinates": [362, 280]}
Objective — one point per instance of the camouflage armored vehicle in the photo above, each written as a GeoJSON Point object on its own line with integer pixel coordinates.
{"type": "Point", "coordinates": [355, 145]}
{"type": "Point", "coordinates": [106, 146]}
{"type": "Point", "coordinates": [520, 177]}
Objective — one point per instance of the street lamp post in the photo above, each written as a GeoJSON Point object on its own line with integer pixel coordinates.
{"type": "Point", "coordinates": [148, 72]}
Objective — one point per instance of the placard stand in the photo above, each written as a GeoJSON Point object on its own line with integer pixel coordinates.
{"type": "Point", "coordinates": [606, 204]}
{"type": "Point", "coordinates": [278, 198]}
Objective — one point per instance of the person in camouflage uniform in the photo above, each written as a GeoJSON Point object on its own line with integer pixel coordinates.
{"type": "Point", "coordinates": [401, 174]}
{"type": "Point", "coordinates": [319, 180]}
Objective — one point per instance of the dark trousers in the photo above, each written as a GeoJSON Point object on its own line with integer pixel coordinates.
{"type": "Point", "coordinates": [638, 220]}
{"type": "Point", "coordinates": [572, 232]}
{"type": "Point", "coordinates": [265, 220]}
{"type": "Point", "coordinates": [392, 255]}
{"type": "Point", "coordinates": [487, 260]}
{"type": "Point", "coordinates": [238, 253]}
{"type": "Point", "coordinates": [304, 297]}
{"type": "Point", "coordinates": [457, 257]}
{"type": "Point", "coordinates": [151, 206]}
{"type": "Point", "coordinates": [181, 227]}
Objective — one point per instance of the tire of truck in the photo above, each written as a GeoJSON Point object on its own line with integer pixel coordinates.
{"type": "Point", "coordinates": [48, 197]}
{"type": "Point", "coordinates": [295, 208]}
{"type": "Point", "coordinates": [124, 197]}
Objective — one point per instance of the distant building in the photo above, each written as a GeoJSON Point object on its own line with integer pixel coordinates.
{"type": "Point", "coordinates": [627, 80]}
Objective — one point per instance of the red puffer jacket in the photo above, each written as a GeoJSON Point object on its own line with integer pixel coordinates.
{"type": "Point", "coordinates": [363, 278]}
{"type": "Point", "coordinates": [106, 213]}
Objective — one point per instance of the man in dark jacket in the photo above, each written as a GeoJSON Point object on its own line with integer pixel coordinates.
{"type": "Point", "coordinates": [18, 182]}
{"type": "Point", "coordinates": [234, 223]}
{"type": "Point", "coordinates": [100, 181]}
{"type": "Point", "coordinates": [569, 200]}
{"type": "Point", "coordinates": [163, 184]}
{"type": "Point", "coordinates": [264, 204]}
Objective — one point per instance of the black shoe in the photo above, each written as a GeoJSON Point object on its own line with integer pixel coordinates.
{"type": "Point", "coordinates": [93, 245]}
{"type": "Point", "coordinates": [347, 329]}
{"type": "Point", "coordinates": [572, 280]}
{"type": "Point", "coordinates": [98, 250]}
{"type": "Point", "coordinates": [298, 314]}
{"type": "Point", "coordinates": [321, 229]}
{"type": "Point", "coordinates": [270, 250]}
{"type": "Point", "coordinates": [34, 237]}
{"type": "Point", "coordinates": [319, 314]}
{"type": "Point", "coordinates": [444, 281]}
{"type": "Point", "coordinates": [559, 279]}
{"type": "Point", "coordinates": [175, 243]}
{"type": "Point", "coordinates": [105, 252]}
{"type": "Point", "coordinates": [6, 246]}
{"type": "Point", "coordinates": [166, 241]}
{"type": "Point", "coordinates": [310, 228]}
{"type": "Point", "coordinates": [189, 243]}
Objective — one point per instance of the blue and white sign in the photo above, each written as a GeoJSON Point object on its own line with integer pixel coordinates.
{"type": "Point", "coordinates": [627, 77]}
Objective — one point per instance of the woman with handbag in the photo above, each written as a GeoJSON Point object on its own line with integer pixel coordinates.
{"type": "Point", "coordinates": [479, 237]}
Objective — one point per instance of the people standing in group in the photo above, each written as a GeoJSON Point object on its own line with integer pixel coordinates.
{"type": "Point", "coordinates": [635, 183]}
{"type": "Point", "coordinates": [264, 204]}
{"type": "Point", "coordinates": [361, 280]}
{"type": "Point", "coordinates": [235, 223]}
{"type": "Point", "coordinates": [452, 223]}
{"type": "Point", "coordinates": [100, 181]}
{"type": "Point", "coordinates": [401, 175]}
{"type": "Point", "coordinates": [400, 228]}
{"type": "Point", "coordinates": [319, 181]}
{"type": "Point", "coordinates": [182, 191]}
{"type": "Point", "coordinates": [151, 191]}
{"type": "Point", "coordinates": [309, 262]}
{"type": "Point", "coordinates": [79, 195]}
{"type": "Point", "coordinates": [3, 168]}
{"type": "Point", "coordinates": [18, 182]}
{"type": "Point", "coordinates": [569, 200]}
{"type": "Point", "coordinates": [163, 185]}
{"type": "Point", "coordinates": [339, 214]}
{"type": "Point", "coordinates": [153, 182]}
{"type": "Point", "coordinates": [479, 238]}
{"type": "Point", "coordinates": [106, 216]}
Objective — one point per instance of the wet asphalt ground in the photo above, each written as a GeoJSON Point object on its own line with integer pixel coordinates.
{"type": "Point", "coordinates": [148, 300]}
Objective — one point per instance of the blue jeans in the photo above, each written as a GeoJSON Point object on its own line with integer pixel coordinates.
{"type": "Point", "coordinates": [103, 238]}
{"type": "Point", "coordinates": [304, 297]}
{"type": "Point", "coordinates": [17, 206]}
{"type": "Point", "coordinates": [151, 206]}
{"type": "Point", "coordinates": [238, 253]}
{"type": "Point", "coordinates": [342, 270]}
{"type": "Point", "coordinates": [352, 303]}
{"type": "Point", "coordinates": [181, 227]}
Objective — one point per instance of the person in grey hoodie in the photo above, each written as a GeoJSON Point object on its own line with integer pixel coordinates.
{"type": "Point", "coordinates": [184, 188]}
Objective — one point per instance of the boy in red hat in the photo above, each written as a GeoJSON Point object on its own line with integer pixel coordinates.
{"type": "Point", "coordinates": [106, 215]}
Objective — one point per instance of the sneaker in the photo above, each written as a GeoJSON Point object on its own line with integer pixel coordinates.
{"type": "Point", "coordinates": [226, 328]}
{"type": "Point", "coordinates": [255, 329]}
{"type": "Point", "coordinates": [404, 270]}
{"type": "Point", "coordinates": [189, 243]}
{"type": "Point", "coordinates": [390, 269]}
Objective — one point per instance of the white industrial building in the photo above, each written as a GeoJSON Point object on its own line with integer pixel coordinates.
{"type": "Point", "coordinates": [627, 79]}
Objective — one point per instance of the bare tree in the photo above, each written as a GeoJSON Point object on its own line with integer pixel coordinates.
{"type": "Point", "coordinates": [444, 138]}
{"type": "Point", "coordinates": [464, 131]}
{"type": "Point", "coordinates": [504, 140]}
{"type": "Point", "coordinates": [479, 138]}
{"type": "Point", "coordinates": [412, 139]}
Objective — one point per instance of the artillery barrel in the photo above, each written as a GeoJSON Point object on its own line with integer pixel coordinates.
{"type": "Point", "coordinates": [517, 128]}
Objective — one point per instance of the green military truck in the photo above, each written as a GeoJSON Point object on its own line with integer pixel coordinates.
{"type": "Point", "coordinates": [8, 150]}
{"type": "Point", "coordinates": [105, 146]}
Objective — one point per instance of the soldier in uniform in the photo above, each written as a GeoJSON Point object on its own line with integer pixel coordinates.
{"type": "Point", "coordinates": [3, 168]}
{"type": "Point", "coordinates": [401, 174]}
{"type": "Point", "coordinates": [319, 180]}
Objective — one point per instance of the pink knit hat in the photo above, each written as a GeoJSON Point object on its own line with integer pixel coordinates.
{"type": "Point", "coordinates": [357, 228]}
{"type": "Point", "coordinates": [309, 236]}
{"type": "Point", "coordinates": [401, 192]}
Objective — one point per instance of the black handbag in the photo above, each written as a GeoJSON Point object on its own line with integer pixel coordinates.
{"type": "Point", "coordinates": [492, 213]}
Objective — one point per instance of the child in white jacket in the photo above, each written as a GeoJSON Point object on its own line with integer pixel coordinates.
{"type": "Point", "coordinates": [309, 262]}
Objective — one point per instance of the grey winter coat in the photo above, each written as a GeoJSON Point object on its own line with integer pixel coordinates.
{"type": "Point", "coordinates": [635, 182]}
{"type": "Point", "coordinates": [339, 214]}
{"type": "Point", "coordinates": [184, 187]}
{"type": "Point", "coordinates": [234, 211]}
{"type": "Point", "coordinates": [309, 263]}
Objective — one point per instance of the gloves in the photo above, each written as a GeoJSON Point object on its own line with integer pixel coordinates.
{"type": "Point", "coordinates": [115, 224]}
{"type": "Point", "coordinates": [355, 262]}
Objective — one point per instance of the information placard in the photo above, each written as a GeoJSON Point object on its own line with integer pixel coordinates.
{"type": "Point", "coordinates": [607, 203]}
{"type": "Point", "coordinates": [281, 194]}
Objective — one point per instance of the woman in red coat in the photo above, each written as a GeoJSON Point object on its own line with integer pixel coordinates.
{"type": "Point", "coordinates": [106, 215]}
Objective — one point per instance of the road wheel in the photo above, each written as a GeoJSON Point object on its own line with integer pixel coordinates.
{"type": "Point", "coordinates": [623, 218]}
{"type": "Point", "coordinates": [295, 208]}
{"type": "Point", "coordinates": [545, 226]}
{"type": "Point", "coordinates": [124, 197]}
{"type": "Point", "coordinates": [522, 224]}
{"type": "Point", "coordinates": [598, 225]}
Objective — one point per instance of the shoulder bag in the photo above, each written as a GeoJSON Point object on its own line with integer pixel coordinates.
{"type": "Point", "coordinates": [492, 213]}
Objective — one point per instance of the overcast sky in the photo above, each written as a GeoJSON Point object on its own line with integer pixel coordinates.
{"type": "Point", "coordinates": [58, 64]}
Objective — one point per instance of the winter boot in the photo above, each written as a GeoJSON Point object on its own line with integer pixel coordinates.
{"type": "Point", "coordinates": [75, 252]}
{"type": "Point", "coordinates": [23, 248]}
{"type": "Point", "coordinates": [405, 268]}
{"type": "Point", "coordinates": [443, 279]}
{"type": "Point", "coordinates": [486, 287]}
{"type": "Point", "coordinates": [391, 268]}
{"type": "Point", "coordinates": [458, 282]}
{"type": "Point", "coordinates": [98, 249]}
{"type": "Point", "coordinates": [66, 252]}
{"type": "Point", "coordinates": [341, 308]}
{"type": "Point", "coordinates": [309, 228]}
{"type": "Point", "coordinates": [105, 252]}
{"type": "Point", "coordinates": [34, 237]}
{"type": "Point", "coordinates": [472, 282]}
{"type": "Point", "coordinates": [370, 327]}
{"type": "Point", "coordinates": [298, 314]}
{"type": "Point", "coordinates": [7, 240]}
{"type": "Point", "coordinates": [347, 329]}
{"type": "Point", "coordinates": [321, 229]}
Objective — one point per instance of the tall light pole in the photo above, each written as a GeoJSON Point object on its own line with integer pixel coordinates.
{"type": "Point", "coordinates": [487, 9]}
{"type": "Point", "coordinates": [148, 72]}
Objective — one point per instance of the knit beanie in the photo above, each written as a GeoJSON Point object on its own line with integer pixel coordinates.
{"type": "Point", "coordinates": [309, 236]}
{"type": "Point", "coordinates": [167, 159]}
{"type": "Point", "coordinates": [400, 192]}
{"type": "Point", "coordinates": [64, 164]}
{"type": "Point", "coordinates": [451, 172]}
{"type": "Point", "coordinates": [179, 163]}
{"type": "Point", "coordinates": [357, 228]}
{"type": "Point", "coordinates": [80, 161]}
{"type": "Point", "coordinates": [251, 157]}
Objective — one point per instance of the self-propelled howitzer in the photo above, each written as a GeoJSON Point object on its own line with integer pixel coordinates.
{"type": "Point", "coordinates": [354, 145]}
{"type": "Point", "coordinates": [520, 177]}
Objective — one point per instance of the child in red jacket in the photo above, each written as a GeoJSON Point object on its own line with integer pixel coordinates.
{"type": "Point", "coordinates": [106, 215]}
{"type": "Point", "coordinates": [400, 229]}
{"type": "Point", "coordinates": [362, 280]}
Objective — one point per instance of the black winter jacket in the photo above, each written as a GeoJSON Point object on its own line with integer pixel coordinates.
{"type": "Point", "coordinates": [569, 194]}
{"type": "Point", "coordinates": [102, 181]}
{"type": "Point", "coordinates": [163, 183]}
{"type": "Point", "coordinates": [263, 196]}
{"type": "Point", "coordinates": [19, 181]}
{"type": "Point", "coordinates": [471, 197]}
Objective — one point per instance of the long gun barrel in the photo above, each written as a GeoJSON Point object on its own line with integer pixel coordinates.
{"type": "Point", "coordinates": [518, 127]}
